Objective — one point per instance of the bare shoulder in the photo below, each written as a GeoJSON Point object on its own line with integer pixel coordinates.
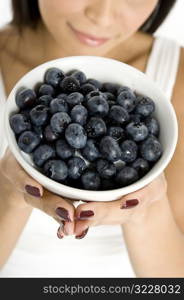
{"type": "Point", "coordinates": [7, 36]}
{"type": "Point", "coordinates": [175, 170]}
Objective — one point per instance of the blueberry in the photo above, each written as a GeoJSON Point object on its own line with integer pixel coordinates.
{"type": "Point", "coordinates": [49, 135]}
{"type": "Point", "coordinates": [152, 125]}
{"type": "Point", "coordinates": [59, 121]}
{"type": "Point", "coordinates": [118, 114]}
{"type": "Point", "coordinates": [129, 151]}
{"type": "Point", "coordinates": [145, 106]}
{"type": "Point", "coordinates": [111, 103]}
{"type": "Point", "coordinates": [98, 106]}
{"type": "Point", "coordinates": [64, 150]}
{"type": "Point", "coordinates": [90, 151]}
{"type": "Point", "coordinates": [110, 149]}
{"type": "Point", "coordinates": [141, 166]}
{"type": "Point", "coordinates": [137, 131]}
{"type": "Point", "coordinates": [53, 76]}
{"type": "Point", "coordinates": [86, 88]}
{"type": "Point", "coordinates": [28, 141]}
{"type": "Point", "coordinates": [96, 127]}
{"type": "Point", "coordinates": [124, 89]}
{"type": "Point", "coordinates": [44, 100]}
{"type": "Point", "coordinates": [135, 117]}
{"type": "Point", "coordinates": [38, 130]}
{"type": "Point", "coordinates": [90, 180]}
{"type": "Point", "coordinates": [107, 184]}
{"type": "Point", "coordinates": [95, 83]}
{"type": "Point", "coordinates": [76, 136]}
{"type": "Point", "coordinates": [58, 105]}
{"type": "Point", "coordinates": [76, 167]}
{"type": "Point", "coordinates": [39, 115]}
{"type": "Point", "coordinates": [62, 96]}
{"type": "Point", "coordinates": [110, 87]}
{"type": "Point", "coordinates": [19, 123]}
{"type": "Point", "coordinates": [126, 176]}
{"type": "Point", "coordinates": [79, 114]}
{"type": "Point", "coordinates": [25, 98]}
{"type": "Point", "coordinates": [69, 73]}
{"type": "Point", "coordinates": [75, 183]}
{"type": "Point", "coordinates": [105, 168]}
{"type": "Point", "coordinates": [92, 94]}
{"type": "Point", "coordinates": [70, 85]}
{"type": "Point", "coordinates": [25, 112]}
{"type": "Point", "coordinates": [46, 89]}
{"type": "Point", "coordinates": [80, 76]}
{"type": "Point", "coordinates": [127, 100]}
{"type": "Point", "coordinates": [74, 99]}
{"type": "Point", "coordinates": [116, 132]}
{"type": "Point", "coordinates": [56, 169]}
{"type": "Point", "coordinates": [109, 97]}
{"type": "Point", "coordinates": [151, 149]}
{"type": "Point", "coordinates": [42, 153]}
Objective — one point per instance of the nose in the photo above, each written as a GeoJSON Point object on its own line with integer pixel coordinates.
{"type": "Point", "coordinates": [101, 12]}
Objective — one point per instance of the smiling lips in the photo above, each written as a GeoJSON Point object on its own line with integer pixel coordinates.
{"type": "Point", "coordinates": [88, 39]}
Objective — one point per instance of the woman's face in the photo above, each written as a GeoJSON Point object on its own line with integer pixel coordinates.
{"type": "Point", "coordinates": [93, 27]}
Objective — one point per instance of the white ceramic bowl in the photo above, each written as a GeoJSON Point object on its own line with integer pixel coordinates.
{"type": "Point", "coordinates": [103, 69]}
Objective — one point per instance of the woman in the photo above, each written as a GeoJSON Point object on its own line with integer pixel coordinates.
{"type": "Point", "coordinates": [151, 218]}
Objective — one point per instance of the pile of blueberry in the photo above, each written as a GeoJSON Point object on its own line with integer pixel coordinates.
{"type": "Point", "coordinates": [87, 134]}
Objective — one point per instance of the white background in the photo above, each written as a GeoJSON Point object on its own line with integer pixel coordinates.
{"type": "Point", "coordinates": [173, 26]}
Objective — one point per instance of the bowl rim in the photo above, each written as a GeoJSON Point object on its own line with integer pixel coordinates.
{"type": "Point", "coordinates": [75, 191]}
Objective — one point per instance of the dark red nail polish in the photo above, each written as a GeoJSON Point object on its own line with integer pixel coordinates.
{"type": "Point", "coordinates": [59, 235]}
{"type": "Point", "coordinates": [130, 203]}
{"type": "Point", "coordinates": [63, 213]}
{"type": "Point", "coordinates": [82, 235]}
{"type": "Point", "coordinates": [85, 214]}
{"type": "Point", "coordinates": [33, 191]}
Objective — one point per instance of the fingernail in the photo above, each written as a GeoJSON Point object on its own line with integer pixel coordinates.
{"type": "Point", "coordinates": [63, 213]}
{"type": "Point", "coordinates": [130, 203]}
{"type": "Point", "coordinates": [32, 190]}
{"type": "Point", "coordinates": [85, 214]}
{"type": "Point", "coordinates": [59, 235]}
{"type": "Point", "coordinates": [82, 235]}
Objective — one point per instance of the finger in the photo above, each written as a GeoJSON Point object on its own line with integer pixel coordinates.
{"type": "Point", "coordinates": [18, 177]}
{"type": "Point", "coordinates": [59, 232]}
{"type": "Point", "coordinates": [118, 211]}
{"type": "Point", "coordinates": [105, 213]}
{"type": "Point", "coordinates": [68, 228]}
{"type": "Point", "coordinates": [65, 228]}
{"type": "Point", "coordinates": [81, 228]}
{"type": "Point", "coordinates": [53, 205]}
{"type": "Point", "coordinates": [148, 194]}
{"type": "Point", "coordinates": [88, 215]}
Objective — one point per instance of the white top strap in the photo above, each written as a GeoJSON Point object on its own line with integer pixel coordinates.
{"type": "Point", "coordinates": [163, 63]}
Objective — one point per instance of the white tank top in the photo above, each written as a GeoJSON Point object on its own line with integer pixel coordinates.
{"type": "Point", "coordinates": [102, 253]}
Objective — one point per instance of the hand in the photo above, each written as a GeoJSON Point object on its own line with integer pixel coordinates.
{"type": "Point", "coordinates": [20, 190]}
{"type": "Point", "coordinates": [130, 208]}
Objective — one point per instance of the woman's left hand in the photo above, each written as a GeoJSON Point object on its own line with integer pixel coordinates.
{"type": "Point", "coordinates": [130, 208]}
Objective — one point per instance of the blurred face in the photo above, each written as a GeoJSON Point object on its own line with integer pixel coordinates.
{"type": "Point", "coordinates": [93, 27]}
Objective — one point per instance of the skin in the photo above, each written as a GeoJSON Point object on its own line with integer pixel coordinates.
{"type": "Point", "coordinates": [119, 20]}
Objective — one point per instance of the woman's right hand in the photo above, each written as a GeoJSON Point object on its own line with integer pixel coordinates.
{"type": "Point", "coordinates": [19, 189]}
